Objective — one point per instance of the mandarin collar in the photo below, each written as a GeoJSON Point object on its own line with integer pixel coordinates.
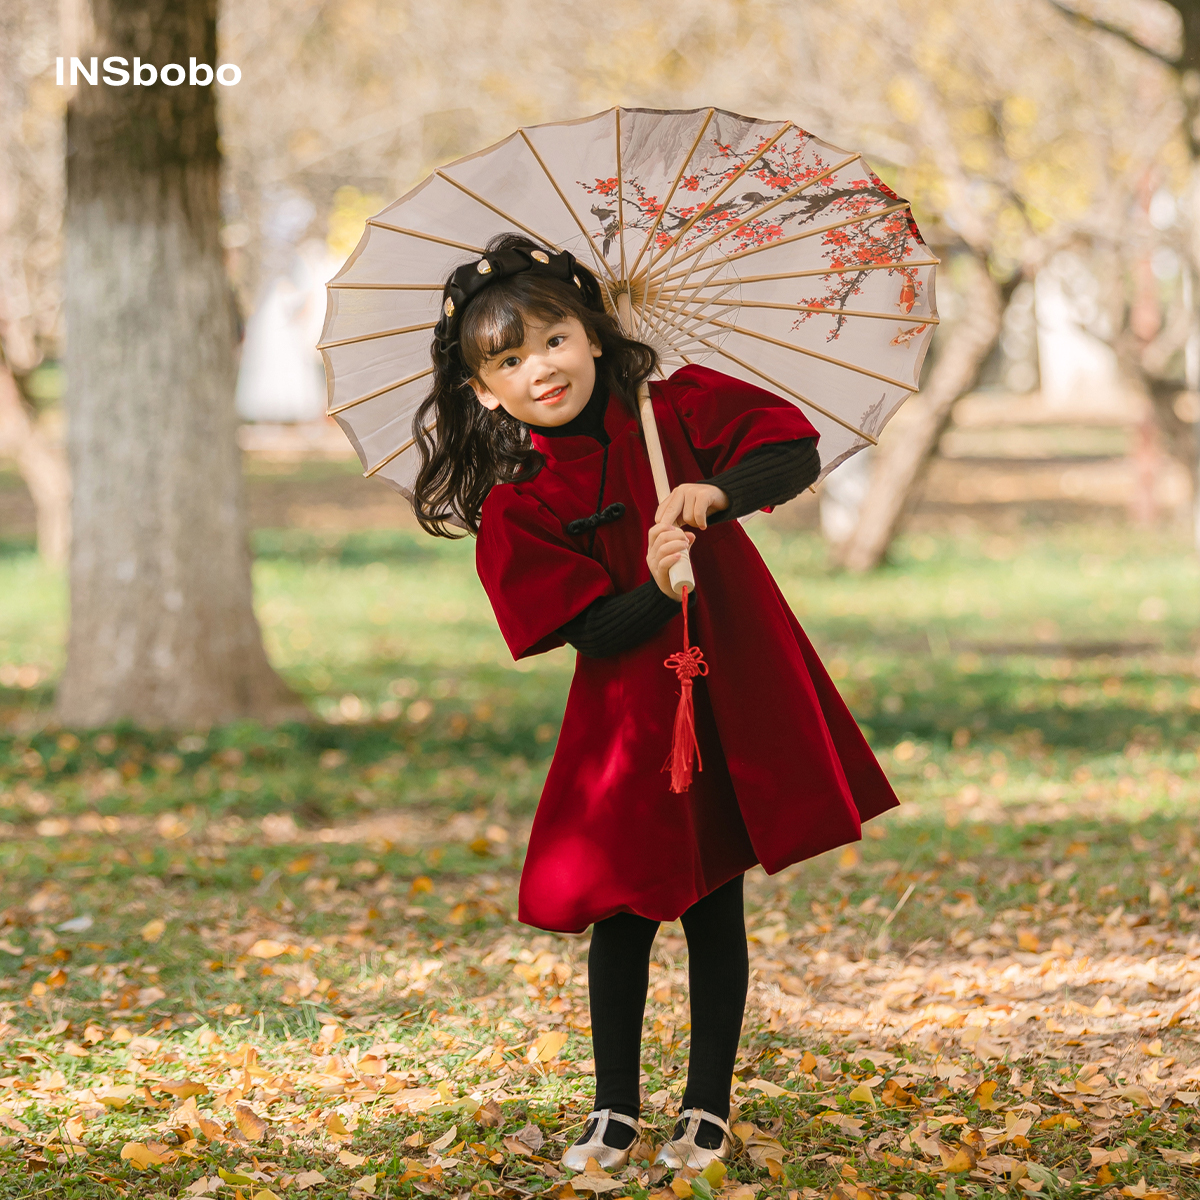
{"type": "Point", "coordinates": [603, 418]}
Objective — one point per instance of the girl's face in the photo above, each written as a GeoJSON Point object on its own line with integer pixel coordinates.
{"type": "Point", "coordinates": [545, 381]}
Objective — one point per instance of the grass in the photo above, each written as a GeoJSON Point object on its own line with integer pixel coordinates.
{"type": "Point", "coordinates": [311, 928]}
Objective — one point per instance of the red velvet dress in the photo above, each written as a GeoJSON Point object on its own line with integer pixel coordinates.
{"type": "Point", "coordinates": [786, 772]}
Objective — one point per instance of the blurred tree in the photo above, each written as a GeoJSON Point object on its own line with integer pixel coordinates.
{"type": "Point", "coordinates": [1155, 352]}
{"type": "Point", "coordinates": [1007, 137]}
{"type": "Point", "coordinates": [30, 239]}
{"type": "Point", "coordinates": [162, 626]}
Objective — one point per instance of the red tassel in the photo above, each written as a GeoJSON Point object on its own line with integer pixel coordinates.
{"type": "Point", "coordinates": [687, 665]}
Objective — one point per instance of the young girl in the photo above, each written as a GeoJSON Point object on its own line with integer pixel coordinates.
{"type": "Point", "coordinates": [539, 452]}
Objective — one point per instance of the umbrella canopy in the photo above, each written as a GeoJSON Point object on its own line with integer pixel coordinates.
{"type": "Point", "coordinates": [748, 245]}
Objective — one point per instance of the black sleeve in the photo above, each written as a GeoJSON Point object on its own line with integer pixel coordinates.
{"type": "Point", "coordinates": [768, 475]}
{"type": "Point", "coordinates": [612, 624]}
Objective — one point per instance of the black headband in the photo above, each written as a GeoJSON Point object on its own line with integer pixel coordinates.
{"type": "Point", "coordinates": [468, 281]}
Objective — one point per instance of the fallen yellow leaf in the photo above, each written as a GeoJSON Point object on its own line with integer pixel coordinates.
{"type": "Point", "coordinates": [349, 1159]}
{"type": "Point", "coordinates": [547, 1047]}
{"type": "Point", "coordinates": [266, 948]}
{"type": "Point", "coordinates": [142, 1156]}
{"type": "Point", "coordinates": [957, 1161]}
{"type": "Point", "coordinates": [768, 1088]}
{"type": "Point", "coordinates": [862, 1095]}
{"type": "Point", "coordinates": [153, 930]}
{"type": "Point", "coordinates": [1059, 1120]}
{"type": "Point", "coordinates": [849, 858]}
{"type": "Point", "coordinates": [250, 1123]}
{"type": "Point", "coordinates": [183, 1088]}
{"type": "Point", "coordinates": [894, 1096]}
{"type": "Point", "coordinates": [984, 1094]}
{"type": "Point", "coordinates": [210, 1128]}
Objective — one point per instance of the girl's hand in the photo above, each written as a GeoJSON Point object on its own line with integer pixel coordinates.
{"type": "Point", "coordinates": [667, 542]}
{"type": "Point", "coordinates": [690, 504]}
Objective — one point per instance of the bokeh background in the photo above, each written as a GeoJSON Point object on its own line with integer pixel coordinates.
{"type": "Point", "coordinates": [1005, 591]}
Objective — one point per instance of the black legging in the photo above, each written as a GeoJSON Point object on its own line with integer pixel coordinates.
{"type": "Point", "coordinates": [718, 973]}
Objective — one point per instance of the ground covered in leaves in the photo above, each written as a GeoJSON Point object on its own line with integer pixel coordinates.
{"type": "Point", "coordinates": [285, 962]}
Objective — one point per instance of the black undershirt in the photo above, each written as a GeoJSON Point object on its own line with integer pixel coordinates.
{"type": "Point", "coordinates": [767, 475]}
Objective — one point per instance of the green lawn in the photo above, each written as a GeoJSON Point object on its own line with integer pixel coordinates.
{"type": "Point", "coordinates": [312, 926]}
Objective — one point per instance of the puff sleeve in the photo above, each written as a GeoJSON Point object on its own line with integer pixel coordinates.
{"type": "Point", "coordinates": [726, 418]}
{"type": "Point", "coordinates": [534, 577]}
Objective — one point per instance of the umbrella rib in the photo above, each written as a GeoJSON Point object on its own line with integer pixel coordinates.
{"type": "Point", "coordinates": [795, 395]}
{"type": "Point", "coordinates": [395, 287]}
{"type": "Point", "coordinates": [766, 208]}
{"type": "Point", "coordinates": [683, 166]}
{"type": "Point", "coordinates": [816, 308]}
{"type": "Point", "coordinates": [659, 315]}
{"type": "Point", "coordinates": [837, 362]}
{"type": "Point", "coordinates": [883, 266]}
{"type": "Point", "coordinates": [687, 309]}
{"type": "Point", "coordinates": [657, 323]}
{"type": "Point", "coordinates": [645, 280]}
{"type": "Point", "coordinates": [426, 237]}
{"type": "Point", "coordinates": [379, 392]}
{"type": "Point", "coordinates": [366, 337]}
{"type": "Point", "coordinates": [689, 320]}
{"type": "Point", "coordinates": [562, 196]}
{"type": "Point", "coordinates": [667, 302]}
{"type": "Point", "coordinates": [861, 219]}
{"type": "Point", "coordinates": [620, 197]}
{"type": "Point", "coordinates": [462, 187]}
{"type": "Point", "coordinates": [717, 195]}
{"type": "Point", "coordinates": [648, 319]}
{"type": "Point", "coordinates": [674, 252]}
{"type": "Point", "coordinates": [400, 450]}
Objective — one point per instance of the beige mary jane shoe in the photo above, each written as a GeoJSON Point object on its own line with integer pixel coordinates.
{"type": "Point", "coordinates": [609, 1158]}
{"type": "Point", "coordinates": [682, 1151]}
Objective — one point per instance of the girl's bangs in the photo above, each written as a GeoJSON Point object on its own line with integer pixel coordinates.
{"type": "Point", "coordinates": [496, 319]}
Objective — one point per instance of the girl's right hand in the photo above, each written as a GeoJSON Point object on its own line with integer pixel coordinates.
{"type": "Point", "coordinates": [666, 543]}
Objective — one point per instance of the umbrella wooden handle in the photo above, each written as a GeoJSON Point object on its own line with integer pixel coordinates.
{"type": "Point", "coordinates": [681, 572]}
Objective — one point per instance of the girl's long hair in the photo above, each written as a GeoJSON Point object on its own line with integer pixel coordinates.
{"type": "Point", "coordinates": [472, 448]}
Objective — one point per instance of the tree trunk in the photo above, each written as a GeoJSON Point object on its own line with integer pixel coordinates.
{"type": "Point", "coordinates": [163, 630]}
{"type": "Point", "coordinates": [42, 465]}
{"type": "Point", "coordinates": [898, 469]}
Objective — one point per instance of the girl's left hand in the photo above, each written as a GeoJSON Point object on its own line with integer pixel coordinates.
{"type": "Point", "coordinates": [690, 504]}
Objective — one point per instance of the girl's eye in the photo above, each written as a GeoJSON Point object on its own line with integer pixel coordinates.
{"type": "Point", "coordinates": [511, 361]}
{"type": "Point", "coordinates": [556, 340]}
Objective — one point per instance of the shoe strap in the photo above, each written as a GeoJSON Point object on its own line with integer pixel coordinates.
{"type": "Point", "coordinates": [697, 1115]}
{"type": "Point", "coordinates": [604, 1115]}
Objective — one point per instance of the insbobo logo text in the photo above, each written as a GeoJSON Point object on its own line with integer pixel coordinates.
{"type": "Point", "coordinates": [144, 74]}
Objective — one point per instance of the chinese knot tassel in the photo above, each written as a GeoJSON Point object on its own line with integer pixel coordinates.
{"type": "Point", "coordinates": [687, 664]}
